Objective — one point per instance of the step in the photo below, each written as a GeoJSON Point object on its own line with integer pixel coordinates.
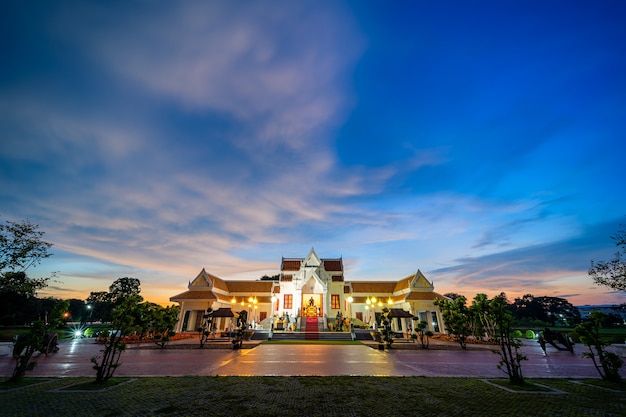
{"type": "Point", "coordinates": [312, 336]}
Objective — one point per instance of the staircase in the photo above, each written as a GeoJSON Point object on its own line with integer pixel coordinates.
{"type": "Point", "coordinates": [312, 328]}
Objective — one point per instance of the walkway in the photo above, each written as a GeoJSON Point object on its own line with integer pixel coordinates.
{"type": "Point", "coordinates": [73, 359]}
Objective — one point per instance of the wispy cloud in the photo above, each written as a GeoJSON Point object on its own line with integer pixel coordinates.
{"type": "Point", "coordinates": [156, 138]}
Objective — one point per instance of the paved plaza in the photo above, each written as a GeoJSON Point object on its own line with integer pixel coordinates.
{"type": "Point", "coordinates": [73, 359]}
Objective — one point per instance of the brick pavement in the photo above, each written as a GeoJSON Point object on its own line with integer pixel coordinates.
{"type": "Point", "coordinates": [306, 360]}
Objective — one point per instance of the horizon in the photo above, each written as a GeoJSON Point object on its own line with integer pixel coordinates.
{"type": "Point", "coordinates": [479, 143]}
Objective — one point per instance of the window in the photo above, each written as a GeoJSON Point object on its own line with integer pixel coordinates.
{"type": "Point", "coordinates": [334, 301]}
{"type": "Point", "coordinates": [435, 322]}
{"type": "Point", "coordinates": [288, 301]}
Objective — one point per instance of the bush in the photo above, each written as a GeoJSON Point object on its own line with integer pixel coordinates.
{"type": "Point", "coordinates": [517, 334]}
{"type": "Point", "coordinates": [530, 334]}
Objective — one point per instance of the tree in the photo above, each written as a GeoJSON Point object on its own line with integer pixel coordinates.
{"type": "Point", "coordinates": [483, 320]}
{"type": "Point", "coordinates": [78, 310]}
{"type": "Point", "coordinates": [528, 307]}
{"type": "Point", "coordinates": [38, 337]}
{"type": "Point", "coordinates": [559, 311]}
{"type": "Point", "coordinates": [385, 330]}
{"type": "Point", "coordinates": [270, 278]}
{"type": "Point", "coordinates": [24, 348]}
{"type": "Point", "coordinates": [457, 318]}
{"type": "Point", "coordinates": [123, 288]}
{"type": "Point", "coordinates": [164, 320]}
{"type": "Point", "coordinates": [100, 305]}
{"type": "Point", "coordinates": [612, 274]}
{"type": "Point", "coordinates": [207, 324]}
{"type": "Point", "coordinates": [510, 358]}
{"type": "Point", "coordinates": [552, 310]}
{"type": "Point", "coordinates": [123, 324]}
{"type": "Point", "coordinates": [422, 332]}
{"type": "Point", "coordinates": [21, 246]}
{"type": "Point", "coordinates": [589, 334]}
{"type": "Point", "coordinates": [241, 326]}
{"type": "Point", "coordinates": [20, 284]}
{"type": "Point", "coordinates": [452, 295]}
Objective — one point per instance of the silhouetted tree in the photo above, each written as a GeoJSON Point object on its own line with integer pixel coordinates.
{"type": "Point", "coordinates": [552, 310]}
{"type": "Point", "coordinates": [100, 304]}
{"type": "Point", "coordinates": [589, 334]}
{"type": "Point", "coordinates": [21, 246]}
{"type": "Point", "coordinates": [528, 307]}
{"type": "Point", "coordinates": [612, 274]}
{"type": "Point", "coordinates": [452, 295]}
{"type": "Point", "coordinates": [510, 358]}
{"type": "Point", "coordinates": [270, 278]}
{"type": "Point", "coordinates": [123, 288]}
{"type": "Point", "coordinates": [123, 323]}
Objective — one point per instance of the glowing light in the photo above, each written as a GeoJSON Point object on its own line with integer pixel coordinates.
{"type": "Point", "coordinates": [77, 332]}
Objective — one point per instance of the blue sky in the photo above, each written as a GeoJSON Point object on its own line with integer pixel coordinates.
{"type": "Point", "coordinates": [481, 142]}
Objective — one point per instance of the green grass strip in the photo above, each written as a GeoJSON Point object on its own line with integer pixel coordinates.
{"type": "Point", "coordinates": [335, 396]}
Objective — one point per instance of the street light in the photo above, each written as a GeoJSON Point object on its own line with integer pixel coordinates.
{"type": "Point", "coordinates": [90, 308]}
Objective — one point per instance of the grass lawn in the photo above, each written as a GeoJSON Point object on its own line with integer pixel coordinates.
{"type": "Point", "coordinates": [313, 396]}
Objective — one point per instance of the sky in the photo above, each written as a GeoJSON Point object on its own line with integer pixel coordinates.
{"type": "Point", "coordinates": [479, 142]}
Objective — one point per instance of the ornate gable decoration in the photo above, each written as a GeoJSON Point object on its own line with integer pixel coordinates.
{"type": "Point", "coordinates": [420, 282]}
{"type": "Point", "coordinates": [312, 259]}
{"type": "Point", "coordinates": [202, 281]}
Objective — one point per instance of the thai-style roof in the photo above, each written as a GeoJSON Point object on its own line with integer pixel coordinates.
{"type": "Point", "coordinates": [200, 295]}
{"type": "Point", "coordinates": [398, 312]}
{"type": "Point", "coordinates": [333, 265]}
{"type": "Point", "coordinates": [291, 264]}
{"type": "Point", "coordinates": [250, 286]}
{"type": "Point", "coordinates": [329, 264]}
{"type": "Point", "coordinates": [423, 296]}
{"type": "Point", "coordinates": [373, 287]}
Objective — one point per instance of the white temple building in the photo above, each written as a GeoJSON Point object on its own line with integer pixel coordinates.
{"type": "Point", "coordinates": [309, 287]}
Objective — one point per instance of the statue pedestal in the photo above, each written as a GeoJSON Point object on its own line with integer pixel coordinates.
{"type": "Point", "coordinates": [310, 311]}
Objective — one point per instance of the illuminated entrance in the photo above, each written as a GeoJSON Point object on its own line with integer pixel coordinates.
{"type": "Point", "coordinates": [312, 305]}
